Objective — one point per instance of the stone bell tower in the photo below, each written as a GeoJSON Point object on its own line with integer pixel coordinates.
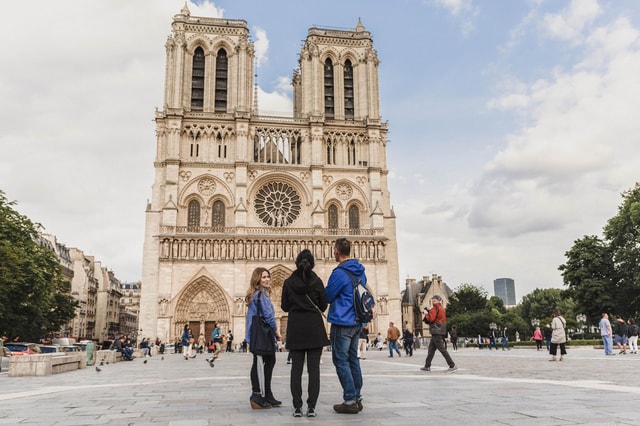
{"type": "Point", "coordinates": [235, 189]}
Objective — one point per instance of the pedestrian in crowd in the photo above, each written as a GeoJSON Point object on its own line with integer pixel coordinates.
{"type": "Point", "coordinates": [144, 346]}
{"type": "Point", "coordinates": [259, 289]}
{"type": "Point", "coordinates": [607, 334]}
{"type": "Point", "coordinates": [621, 335]}
{"type": "Point", "coordinates": [505, 340]}
{"type": "Point", "coordinates": [492, 340]}
{"type": "Point", "coordinates": [363, 342]}
{"type": "Point", "coordinates": [243, 346]}
{"type": "Point", "coordinates": [120, 346]}
{"type": "Point", "coordinates": [186, 342]}
{"type": "Point", "coordinates": [304, 298]}
{"type": "Point", "coordinates": [537, 337]}
{"type": "Point", "coordinates": [407, 341]}
{"type": "Point", "coordinates": [480, 342]}
{"type": "Point", "coordinates": [436, 317]}
{"type": "Point", "coordinates": [216, 336]}
{"type": "Point", "coordinates": [229, 342]}
{"type": "Point", "coordinates": [558, 336]}
{"type": "Point", "coordinates": [202, 343]}
{"type": "Point", "coordinates": [453, 337]}
{"type": "Point", "coordinates": [547, 332]}
{"type": "Point", "coordinates": [176, 345]}
{"type": "Point", "coordinates": [378, 342]}
{"type": "Point", "coordinates": [345, 329]}
{"type": "Point", "coordinates": [393, 334]}
{"type": "Point", "coordinates": [632, 333]}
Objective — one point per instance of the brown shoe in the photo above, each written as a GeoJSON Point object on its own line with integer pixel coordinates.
{"type": "Point", "coordinates": [346, 408]}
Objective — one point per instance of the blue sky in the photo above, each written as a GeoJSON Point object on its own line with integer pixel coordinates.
{"type": "Point", "coordinates": [513, 123]}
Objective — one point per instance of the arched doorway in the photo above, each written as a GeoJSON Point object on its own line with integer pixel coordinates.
{"type": "Point", "coordinates": [201, 304]}
{"type": "Point", "coordinates": [279, 273]}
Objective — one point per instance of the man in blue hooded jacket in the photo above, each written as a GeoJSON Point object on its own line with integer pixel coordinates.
{"type": "Point", "coordinates": [345, 330]}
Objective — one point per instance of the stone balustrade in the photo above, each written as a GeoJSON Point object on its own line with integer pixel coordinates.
{"type": "Point", "coordinates": [46, 364]}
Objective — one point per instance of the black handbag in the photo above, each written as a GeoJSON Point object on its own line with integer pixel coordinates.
{"type": "Point", "coordinates": [263, 339]}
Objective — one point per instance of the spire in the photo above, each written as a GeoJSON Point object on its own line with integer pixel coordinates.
{"type": "Point", "coordinates": [359, 27]}
{"type": "Point", "coordinates": [255, 87]}
{"type": "Point", "coordinates": [185, 10]}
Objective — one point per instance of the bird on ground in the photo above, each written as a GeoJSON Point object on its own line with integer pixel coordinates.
{"type": "Point", "coordinates": [98, 369]}
{"type": "Point", "coordinates": [162, 359]}
{"type": "Point", "coordinates": [145, 361]}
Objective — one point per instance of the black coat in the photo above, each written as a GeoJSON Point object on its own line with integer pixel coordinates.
{"type": "Point", "coordinates": [305, 325]}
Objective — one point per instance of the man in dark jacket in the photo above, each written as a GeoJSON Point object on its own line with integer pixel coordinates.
{"type": "Point", "coordinates": [436, 317]}
{"type": "Point", "coordinates": [345, 330]}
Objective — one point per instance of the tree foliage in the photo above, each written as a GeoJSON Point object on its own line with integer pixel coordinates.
{"type": "Point", "coordinates": [34, 298]}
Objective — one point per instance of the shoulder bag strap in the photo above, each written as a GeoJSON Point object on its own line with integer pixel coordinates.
{"type": "Point", "coordinates": [315, 306]}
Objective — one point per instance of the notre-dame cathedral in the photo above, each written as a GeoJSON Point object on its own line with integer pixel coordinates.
{"type": "Point", "coordinates": [235, 189]}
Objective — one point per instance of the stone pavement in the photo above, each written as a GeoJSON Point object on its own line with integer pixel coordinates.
{"type": "Point", "coordinates": [517, 387]}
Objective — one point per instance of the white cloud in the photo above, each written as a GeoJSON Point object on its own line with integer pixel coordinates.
{"type": "Point", "coordinates": [463, 10]}
{"type": "Point", "coordinates": [261, 44]}
{"type": "Point", "coordinates": [570, 23]}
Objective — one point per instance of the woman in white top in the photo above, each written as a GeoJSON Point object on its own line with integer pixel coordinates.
{"type": "Point", "coordinates": [558, 335]}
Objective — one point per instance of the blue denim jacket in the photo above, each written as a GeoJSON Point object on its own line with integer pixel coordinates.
{"type": "Point", "coordinates": [268, 312]}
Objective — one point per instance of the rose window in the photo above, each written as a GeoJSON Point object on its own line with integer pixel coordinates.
{"type": "Point", "coordinates": [277, 204]}
{"type": "Point", "coordinates": [206, 186]}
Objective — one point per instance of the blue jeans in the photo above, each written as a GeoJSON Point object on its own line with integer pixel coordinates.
{"type": "Point", "coordinates": [505, 343]}
{"type": "Point", "coordinates": [344, 353]}
{"type": "Point", "coordinates": [608, 344]}
{"type": "Point", "coordinates": [393, 346]}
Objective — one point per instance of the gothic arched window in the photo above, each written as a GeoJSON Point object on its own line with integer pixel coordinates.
{"type": "Point", "coordinates": [348, 91]}
{"type": "Point", "coordinates": [197, 80]}
{"type": "Point", "coordinates": [221, 81]}
{"type": "Point", "coordinates": [354, 217]}
{"type": "Point", "coordinates": [217, 216]}
{"type": "Point", "coordinates": [351, 153]}
{"type": "Point", "coordinates": [333, 216]}
{"type": "Point", "coordinates": [193, 215]}
{"type": "Point", "coordinates": [328, 89]}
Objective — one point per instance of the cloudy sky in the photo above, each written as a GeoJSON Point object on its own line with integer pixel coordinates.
{"type": "Point", "coordinates": [514, 124]}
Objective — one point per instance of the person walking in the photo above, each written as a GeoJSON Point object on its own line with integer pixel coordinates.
{"type": "Point", "coordinates": [537, 337]}
{"type": "Point", "coordinates": [407, 341]}
{"type": "Point", "coordinates": [547, 332]}
{"type": "Point", "coordinates": [436, 317]}
{"type": "Point", "coordinates": [558, 336]}
{"type": "Point", "coordinates": [621, 335]}
{"type": "Point", "coordinates": [186, 342]}
{"type": "Point", "coordinates": [606, 332]}
{"type": "Point", "coordinates": [492, 340]}
{"type": "Point", "coordinates": [262, 367]}
{"type": "Point", "coordinates": [453, 337]}
{"type": "Point", "coordinates": [632, 333]}
{"type": "Point", "coordinates": [505, 340]}
{"type": "Point", "coordinates": [216, 336]}
{"type": "Point", "coordinates": [345, 329]}
{"type": "Point", "coordinates": [393, 334]}
{"type": "Point", "coordinates": [229, 342]}
{"type": "Point", "coordinates": [363, 342]}
{"type": "Point", "coordinates": [303, 297]}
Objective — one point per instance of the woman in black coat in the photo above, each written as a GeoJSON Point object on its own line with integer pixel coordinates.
{"type": "Point", "coordinates": [303, 297]}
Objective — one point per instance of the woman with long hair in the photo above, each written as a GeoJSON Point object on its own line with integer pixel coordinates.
{"type": "Point", "coordinates": [259, 290]}
{"type": "Point", "coordinates": [303, 297]}
{"type": "Point", "coordinates": [186, 342]}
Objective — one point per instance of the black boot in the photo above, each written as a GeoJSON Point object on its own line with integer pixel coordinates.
{"type": "Point", "coordinates": [257, 401]}
{"type": "Point", "coordinates": [271, 400]}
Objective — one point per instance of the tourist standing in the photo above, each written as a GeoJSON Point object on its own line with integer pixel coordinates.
{"type": "Point", "coordinates": [436, 317]}
{"type": "Point", "coordinates": [259, 289]}
{"type": "Point", "coordinates": [407, 341]}
{"type": "Point", "coordinates": [505, 340]}
{"type": "Point", "coordinates": [186, 342]}
{"type": "Point", "coordinates": [303, 297]}
{"type": "Point", "coordinates": [216, 336]}
{"type": "Point", "coordinates": [453, 337]}
{"type": "Point", "coordinates": [345, 329]}
{"type": "Point", "coordinates": [558, 335]}
{"type": "Point", "coordinates": [537, 337]}
{"type": "Point", "coordinates": [363, 342]}
{"type": "Point", "coordinates": [393, 334]}
{"type": "Point", "coordinates": [621, 335]}
{"type": "Point", "coordinates": [632, 333]}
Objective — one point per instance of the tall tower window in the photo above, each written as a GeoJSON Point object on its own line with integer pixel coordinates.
{"type": "Point", "coordinates": [217, 217]}
{"type": "Point", "coordinates": [197, 80]}
{"type": "Point", "coordinates": [328, 89]}
{"type": "Point", "coordinates": [221, 81]}
{"type": "Point", "coordinates": [333, 217]}
{"type": "Point", "coordinates": [331, 152]}
{"type": "Point", "coordinates": [354, 217]}
{"type": "Point", "coordinates": [348, 90]}
{"type": "Point", "coordinates": [193, 215]}
{"type": "Point", "coordinates": [222, 146]}
{"type": "Point", "coordinates": [351, 153]}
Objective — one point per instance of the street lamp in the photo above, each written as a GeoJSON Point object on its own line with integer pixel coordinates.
{"type": "Point", "coordinates": [493, 326]}
{"type": "Point", "coordinates": [582, 319]}
{"type": "Point", "coordinates": [535, 322]}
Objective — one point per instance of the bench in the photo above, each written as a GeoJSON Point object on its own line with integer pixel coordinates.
{"type": "Point", "coordinates": [108, 356]}
{"type": "Point", "coordinates": [46, 364]}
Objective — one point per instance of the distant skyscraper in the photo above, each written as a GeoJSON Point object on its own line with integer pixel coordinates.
{"type": "Point", "coordinates": [505, 289]}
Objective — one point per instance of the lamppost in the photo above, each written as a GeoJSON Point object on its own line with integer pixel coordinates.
{"type": "Point", "coordinates": [493, 326]}
{"type": "Point", "coordinates": [582, 319]}
{"type": "Point", "coordinates": [535, 322]}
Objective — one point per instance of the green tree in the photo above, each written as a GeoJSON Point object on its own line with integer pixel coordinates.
{"type": "Point", "coordinates": [623, 234]}
{"type": "Point", "coordinates": [467, 298]}
{"type": "Point", "coordinates": [589, 273]}
{"type": "Point", "coordinates": [540, 304]}
{"type": "Point", "coordinates": [497, 304]}
{"type": "Point", "coordinates": [34, 298]}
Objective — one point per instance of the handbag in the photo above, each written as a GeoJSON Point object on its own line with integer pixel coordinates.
{"type": "Point", "coordinates": [263, 339]}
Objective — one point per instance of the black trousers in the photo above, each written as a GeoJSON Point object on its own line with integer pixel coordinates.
{"type": "Point", "coordinates": [437, 342]}
{"type": "Point", "coordinates": [313, 369]}
{"type": "Point", "coordinates": [269, 363]}
{"type": "Point", "coordinates": [554, 349]}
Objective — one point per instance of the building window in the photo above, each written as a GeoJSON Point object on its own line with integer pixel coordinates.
{"type": "Point", "coordinates": [277, 204]}
{"type": "Point", "coordinates": [348, 90]}
{"type": "Point", "coordinates": [351, 153]}
{"type": "Point", "coordinates": [193, 215]}
{"type": "Point", "coordinates": [333, 217]}
{"type": "Point", "coordinates": [328, 89]}
{"type": "Point", "coordinates": [217, 217]}
{"type": "Point", "coordinates": [197, 80]}
{"type": "Point", "coordinates": [354, 217]}
{"type": "Point", "coordinates": [331, 152]}
{"type": "Point", "coordinates": [221, 81]}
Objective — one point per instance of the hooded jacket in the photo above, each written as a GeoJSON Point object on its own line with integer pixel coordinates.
{"type": "Point", "coordinates": [305, 325]}
{"type": "Point", "coordinates": [340, 293]}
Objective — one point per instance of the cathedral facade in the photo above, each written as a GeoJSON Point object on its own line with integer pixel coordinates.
{"type": "Point", "coordinates": [235, 190]}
